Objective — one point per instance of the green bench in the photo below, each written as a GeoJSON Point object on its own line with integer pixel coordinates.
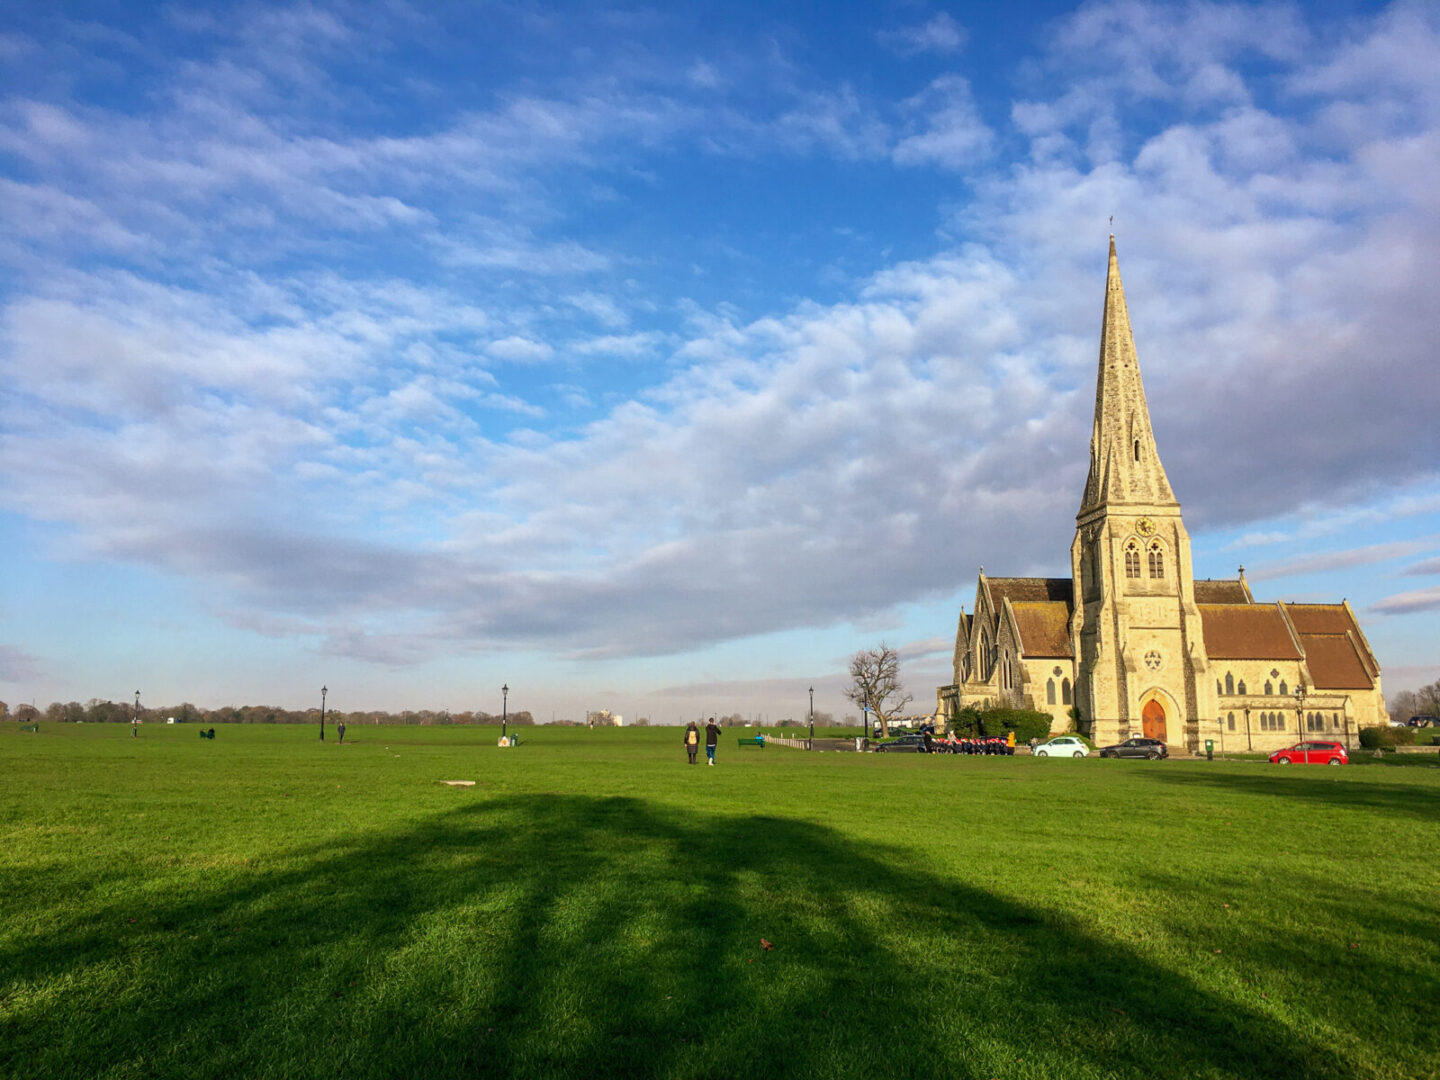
{"type": "Point", "coordinates": [754, 740]}
{"type": "Point", "coordinates": [34, 729]}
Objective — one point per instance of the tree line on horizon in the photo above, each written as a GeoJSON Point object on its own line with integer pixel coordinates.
{"type": "Point", "coordinates": [104, 711]}
{"type": "Point", "coordinates": [101, 711]}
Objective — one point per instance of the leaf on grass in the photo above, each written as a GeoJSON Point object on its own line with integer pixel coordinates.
{"type": "Point", "coordinates": [767, 946]}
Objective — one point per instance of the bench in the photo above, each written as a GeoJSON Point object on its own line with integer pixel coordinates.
{"type": "Point", "coordinates": [34, 729]}
{"type": "Point", "coordinates": [754, 740]}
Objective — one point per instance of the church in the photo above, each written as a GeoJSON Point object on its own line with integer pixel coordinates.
{"type": "Point", "coordinates": [1131, 644]}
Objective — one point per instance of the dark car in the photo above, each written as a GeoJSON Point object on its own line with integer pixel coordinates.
{"type": "Point", "coordinates": [1139, 748]}
{"type": "Point", "coordinates": [905, 744]}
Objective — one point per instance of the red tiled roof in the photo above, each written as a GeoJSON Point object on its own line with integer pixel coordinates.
{"type": "Point", "coordinates": [1044, 627]}
{"type": "Point", "coordinates": [1319, 618]}
{"type": "Point", "coordinates": [1030, 588]}
{"type": "Point", "coordinates": [1335, 663]}
{"type": "Point", "coordinates": [1222, 591]}
{"type": "Point", "coordinates": [1246, 632]}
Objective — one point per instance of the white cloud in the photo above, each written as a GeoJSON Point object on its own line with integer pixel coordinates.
{"type": "Point", "coordinates": [521, 350]}
{"type": "Point", "coordinates": [1409, 602]}
{"type": "Point", "coordinates": [629, 345]}
{"type": "Point", "coordinates": [18, 666]}
{"type": "Point", "coordinates": [947, 131]}
{"type": "Point", "coordinates": [602, 309]}
{"type": "Point", "coordinates": [939, 34]}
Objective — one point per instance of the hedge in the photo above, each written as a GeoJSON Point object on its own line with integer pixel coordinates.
{"type": "Point", "coordinates": [1372, 738]}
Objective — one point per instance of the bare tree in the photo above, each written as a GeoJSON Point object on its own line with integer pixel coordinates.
{"type": "Point", "coordinates": [875, 675]}
{"type": "Point", "coordinates": [1423, 702]}
{"type": "Point", "coordinates": [1404, 705]}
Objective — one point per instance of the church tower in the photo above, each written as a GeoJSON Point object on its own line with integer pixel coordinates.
{"type": "Point", "coordinates": [1136, 634]}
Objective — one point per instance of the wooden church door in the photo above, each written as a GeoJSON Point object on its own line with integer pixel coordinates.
{"type": "Point", "coordinates": [1152, 720]}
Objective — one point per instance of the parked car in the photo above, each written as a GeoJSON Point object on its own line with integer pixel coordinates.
{"type": "Point", "coordinates": [905, 744]}
{"type": "Point", "coordinates": [1137, 748]}
{"type": "Point", "coordinates": [1312, 753]}
{"type": "Point", "coordinates": [1062, 746]}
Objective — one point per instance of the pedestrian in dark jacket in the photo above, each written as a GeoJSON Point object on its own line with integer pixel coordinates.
{"type": "Point", "coordinates": [712, 739]}
{"type": "Point", "coordinates": [692, 741]}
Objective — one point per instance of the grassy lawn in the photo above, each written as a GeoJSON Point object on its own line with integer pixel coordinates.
{"type": "Point", "coordinates": [267, 905]}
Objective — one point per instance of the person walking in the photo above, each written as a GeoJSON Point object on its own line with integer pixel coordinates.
{"type": "Point", "coordinates": [340, 728]}
{"type": "Point", "coordinates": [712, 739]}
{"type": "Point", "coordinates": [692, 741]}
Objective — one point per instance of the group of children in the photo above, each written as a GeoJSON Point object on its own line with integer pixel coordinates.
{"type": "Point", "coordinates": [977, 745]}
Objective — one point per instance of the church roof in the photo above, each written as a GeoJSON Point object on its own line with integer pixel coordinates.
{"type": "Point", "coordinates": [1020, 589]}
{"type": "Point", "coordinates": [1335, 662]}
{"type": "Point", "coordinates": [1330, 633]}
{"type": "Point", "coordinates": [1319, 618]}
{"type": "Point", "coordinates": [1246, 632]}
{"type": "Point", "coordinates": [1223, 591]}
{"type": "Point", "coordinates": [1044, 627]}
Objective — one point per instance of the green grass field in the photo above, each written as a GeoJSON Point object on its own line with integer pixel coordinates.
{"type": "Point", "coordinates": [265, 905]}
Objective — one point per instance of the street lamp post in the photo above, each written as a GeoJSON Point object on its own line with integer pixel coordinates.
{"type": "Point", "coordinates": [504, 708]}
{"type": "Point", "coordinates": [812, 719]}
{"type": "Point", "coordinates": [323, 691]}
{"type": "Point", "coordinates": [135, 718]}
{"type": "Point", "coordinates": [865, 711]}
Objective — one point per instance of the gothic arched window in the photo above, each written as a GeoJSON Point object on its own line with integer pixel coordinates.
{"type": "Point", "coordinates": [1132, 560]}
{"type": "Point", "coordinates": [1137, 449]}
{"type": "Point", "coordinates": [1050, 692]}
{"type": "Point", "coordinates": [1157, 560]}
{"type": "Point", "coordinates": [1268, 688]}
{"type": "Point", "coordinates": [1065, 691]}
{"type": "Point", "coordinates": [1229, 683]}
{"type": "Point", "coordinates": [1284, 689]}
{"type": "Point", "coordinates": [1230, 721]}
{"type": "Point", "coordinates": [1241, 688]}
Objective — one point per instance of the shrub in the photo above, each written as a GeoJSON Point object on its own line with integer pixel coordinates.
{"type": "Point", "coordinates": [1026, 723]}
{"type": "Point", "coordinates": [966, 723]}
{"type": "Point", "coordinates": [1373, 738]}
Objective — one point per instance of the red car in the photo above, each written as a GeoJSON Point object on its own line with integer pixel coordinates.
{"type": "Point", "coordinates": [1311, 753]}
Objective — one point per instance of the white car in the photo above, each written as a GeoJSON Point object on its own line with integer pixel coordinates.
{"type": "Point", "coordinates": [1062, 746]}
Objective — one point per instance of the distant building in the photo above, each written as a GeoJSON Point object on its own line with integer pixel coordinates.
{"type": "Point", "coordinates": [1131, 643]}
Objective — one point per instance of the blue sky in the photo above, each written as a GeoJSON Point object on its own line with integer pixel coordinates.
{"type": "Point", "coordinates": [657, 360]}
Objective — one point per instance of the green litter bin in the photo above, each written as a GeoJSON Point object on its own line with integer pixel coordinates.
{"type": "Point", "coordinates": [1209, 749]}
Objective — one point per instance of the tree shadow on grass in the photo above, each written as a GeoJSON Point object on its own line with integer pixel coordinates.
{"type": "Point", "coordinates": [595, 937]}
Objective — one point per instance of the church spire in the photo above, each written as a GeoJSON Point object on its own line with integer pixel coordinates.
{"type": "Point", "coordinates": [1124, 465]}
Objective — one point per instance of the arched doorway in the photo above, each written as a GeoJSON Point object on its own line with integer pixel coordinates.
{"type": "Point", "coordinates": [1152, 720]}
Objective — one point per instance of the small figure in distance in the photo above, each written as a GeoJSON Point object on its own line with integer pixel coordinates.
{"type": "Point", "coordinates": [692, 741]}
{"type": "Point", "coordinates": [340, 730]}
{"type": "Point", "coordinates": [712, 739]}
